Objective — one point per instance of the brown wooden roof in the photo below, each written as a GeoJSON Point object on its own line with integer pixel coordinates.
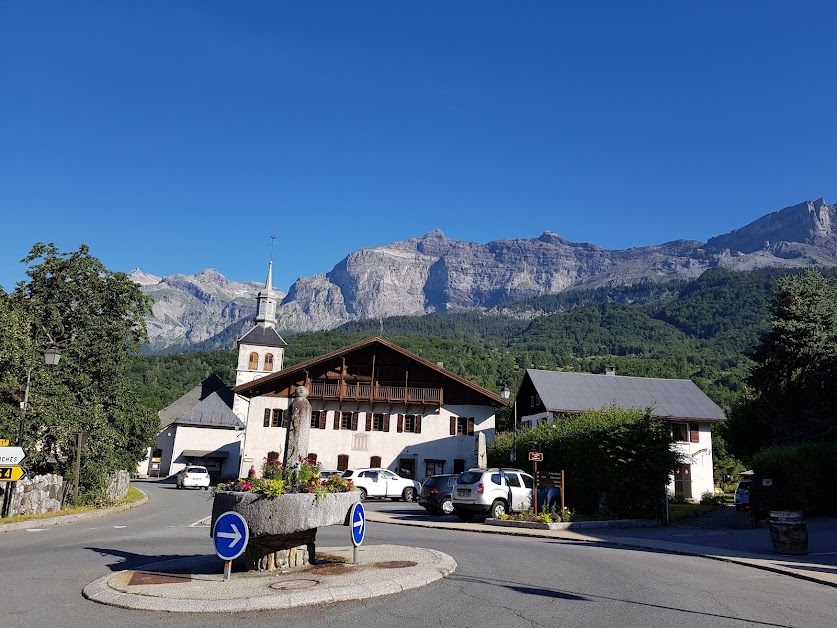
{"type": "Point", "coordinates": [458, 390]}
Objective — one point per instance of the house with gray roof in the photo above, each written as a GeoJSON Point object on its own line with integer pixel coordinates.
{"type": "Point", "coordinates": [198, 428]}
{"type": "Point", "coordinates": [546, 396]}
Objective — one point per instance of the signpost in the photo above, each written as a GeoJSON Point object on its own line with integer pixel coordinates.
{"type": "Point", "coordinates": [357, 528]}
{"type": "Point", "coordinates": [11, 455]}
{"type": "Point", "coordinates": [230, 534]}
{"type": "Point", "coordinates": [10, 474]}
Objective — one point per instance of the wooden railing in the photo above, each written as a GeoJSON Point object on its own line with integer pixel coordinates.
{"type": "Point", "coordinates": [375, 392]}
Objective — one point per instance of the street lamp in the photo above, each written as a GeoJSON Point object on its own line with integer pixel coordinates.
{"type": "Point", "coordinates": [506, 393]}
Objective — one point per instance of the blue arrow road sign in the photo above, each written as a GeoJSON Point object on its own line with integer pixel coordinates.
{"type": "Point", "coordinates": [358, 524]}
{"type": "Point", "coordinates": [230, 534]}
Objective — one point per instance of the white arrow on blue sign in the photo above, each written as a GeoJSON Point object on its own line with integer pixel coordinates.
{"type": "Point", "coordinates": [230, 534]}
{"type": "Point", "coordinates": [358, 524]}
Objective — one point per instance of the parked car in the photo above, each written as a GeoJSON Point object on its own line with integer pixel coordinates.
{"type": "Point", "coordinates": [324, 473]}
{"type": "Point", "coordinates": [491, 492]}
{"type": "Point", "coordinates": [193, 476]}
{"type": "Point", "coordinates": [383, 483]}
{"type": "Point", "coordinates": [436, 492]}
{"type": "Point", "coordinates": [742, 494]}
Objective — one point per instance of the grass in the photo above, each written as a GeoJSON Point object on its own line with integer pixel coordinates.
{"type": "Point", "coordinates": [681, 511]}
{"type": "Point", "coordinates": [134, 495]}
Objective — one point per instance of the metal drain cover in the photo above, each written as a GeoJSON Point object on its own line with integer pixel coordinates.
{"type": "Point", "coordinates": [395, 564]}
{"type": "Point", "coordinates": [294, 584]}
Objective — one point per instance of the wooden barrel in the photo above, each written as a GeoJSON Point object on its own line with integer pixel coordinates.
{"type": "Point", "coordinates": [788, 532]}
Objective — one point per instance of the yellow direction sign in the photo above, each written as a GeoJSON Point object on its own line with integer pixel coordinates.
{"type": "Point", "coordinates": [4, 442]}
{"type": "Point", "coordinates": [11, 474]}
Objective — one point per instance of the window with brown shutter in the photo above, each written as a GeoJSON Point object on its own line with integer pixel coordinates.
{"type": "Point", "coordinates": [375, 462]}
{"type": "Point", "coordinates": [272, 456]}
{"type": "Point", "coordinates": [400, 427]}
{"type": "Point", "coordinates": [368, 421]}
{"type": "Point", "coordinates": [694, 433]}
{"type": "Point", "coordinates": [312, 459]}
{"type": "Point", "coordinates": [277, 418]}
{"type": "Point", "coordinates": [418, 424]}
{"type": "Point", "coordinates": [409, 423]}
{"type": "Point", "coordinates": [354, 421]}
{"type": "Point", "coordinates": [267, 414]}
{"type": "Point", "coordinates": [342, 462]}
{"type": "Point", "coordinates": [471, 426]}
{"type": "Point", "coordinates": [315, 419]}
{"type": "Point", "coordinates": [336, 419]}
{"type": "Point", "coordinates": [453, 426]}
{"type": "Point", "coordinates": [386, 423]}
{"type": "Point", "coordinates": [345, 420]}
{"type": "Point", "coordinates": [323, 419]}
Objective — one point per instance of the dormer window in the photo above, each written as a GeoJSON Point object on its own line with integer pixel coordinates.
{"type": "Point", "coordinates": [268, 362]}
{"type": "Point", "coordinates": [253, 364]}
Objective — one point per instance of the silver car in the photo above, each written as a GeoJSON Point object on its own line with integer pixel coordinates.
{"type": "Point", "coordinates": [492, 492]}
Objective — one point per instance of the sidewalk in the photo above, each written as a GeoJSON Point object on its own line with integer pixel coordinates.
{"type": "Point", "coordinates": [693, 537]}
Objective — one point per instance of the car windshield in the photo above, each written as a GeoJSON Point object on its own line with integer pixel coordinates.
{"type": "Point", "coordinates": [196, 470]}
{"type": "Point", "coordinates": [435, 481]}
{"type": "Point", "coordinates": [469, 477]}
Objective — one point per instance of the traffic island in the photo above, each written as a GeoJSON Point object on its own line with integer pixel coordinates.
{"type": "Point", "coordinates": [283, 529]}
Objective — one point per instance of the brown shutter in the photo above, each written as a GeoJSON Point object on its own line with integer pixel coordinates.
{"type": "Point", "coordinates": [418, 424]}
{"type": "Point", "coordinates": [322, 419]}
{"type": "Point", "coordinates": [267, 418]}
{"type": "Point", "coordinates": [471, 426]}
{"type": "Point", "coordinates": [453, 426]}
{"type": "Point", "coordinates": [386, 423]}
{"type": "Point", "coordinates": [400, 423]}
{"type": "Point", "coordinates": [285, 417]}
{"type": "Point", "coordinates": [368, 421]}
{"type": "Point", "coordinates": [337, 420]}
{"type": "Point", "coordinates": [354, 421]}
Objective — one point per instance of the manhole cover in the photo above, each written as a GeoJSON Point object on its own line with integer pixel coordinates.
{"type": "Point", "coordinates": [294, 584]}
{"type": "Point", "coordinates": [151, 577]}
{"type": "Point", "coordinates": [395, 564]}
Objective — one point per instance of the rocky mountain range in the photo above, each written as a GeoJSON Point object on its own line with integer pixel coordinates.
{"type": "Point", "coordinates": [433, 273]}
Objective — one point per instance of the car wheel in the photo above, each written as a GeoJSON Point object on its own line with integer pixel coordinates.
{"type": "Point", "coordinates": [447, 507]}
{"type": "Point", "coordinates": [465, 516]}
{"type": "Point", "coordinates": [498, 508]}
{"type": "Point", "coordinates": [362, 494]}
{"type": "Point", "coordinates": [206, 488]}
{"type": "Point", "coordinates": [409, 494]}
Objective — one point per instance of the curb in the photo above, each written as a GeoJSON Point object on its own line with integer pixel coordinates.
{"type": "Point", "coordinates": [62, 519]}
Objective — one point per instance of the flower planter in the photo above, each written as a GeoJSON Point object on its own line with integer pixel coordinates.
{"type": "Point", "coordinates": [283, 529]}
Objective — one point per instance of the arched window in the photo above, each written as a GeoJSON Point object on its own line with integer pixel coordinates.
{"type": "Point", "coordinates": [253, 364]}
{"type": "Point", "coordinates": [312, 459]}
{"type": "Point", "coordinates": [268, 362]}
{"type": "Point", "coordinates": [342, 462]}
{"type": "Point", "coordinates": [272, 456]}
{"type": "Point", "coordinates": [375, 462]}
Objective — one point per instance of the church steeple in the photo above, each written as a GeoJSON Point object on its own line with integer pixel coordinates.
{"type": "Point", "coordinates": [268, 299]}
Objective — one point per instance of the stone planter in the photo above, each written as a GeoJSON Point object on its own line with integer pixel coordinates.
{"type": "Point", "coordinates": [283, 529]}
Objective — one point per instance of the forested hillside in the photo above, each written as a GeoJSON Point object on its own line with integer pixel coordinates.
{"type": "Point", "coordinates": [700, 329]}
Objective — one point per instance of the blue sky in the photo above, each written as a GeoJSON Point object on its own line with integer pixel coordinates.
{"type": "Point", "coordinates": [177, 136]}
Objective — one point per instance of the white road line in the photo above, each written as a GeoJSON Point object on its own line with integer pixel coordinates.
{"type": "Point", "coordinates": [201, 522]}
{"type": "Point", "coordinates": [35, 529]}
{"type": "Point", "coordinates": [118, 527]}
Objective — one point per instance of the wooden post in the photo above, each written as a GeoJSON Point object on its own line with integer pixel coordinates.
{"type": "Point", "coordinates": [535, 496]}
{"type": "Point", "coordinates": [562, 492]}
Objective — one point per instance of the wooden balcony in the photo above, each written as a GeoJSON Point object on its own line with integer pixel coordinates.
{"type": "Point", "coordinates": [375, 393]}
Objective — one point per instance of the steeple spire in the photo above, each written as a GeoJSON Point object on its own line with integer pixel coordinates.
{"type": "Point", "coordinates": [268, 299]}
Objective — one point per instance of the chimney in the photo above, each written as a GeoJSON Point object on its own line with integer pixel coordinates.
{"type": "Point", "coordinates": [610, 370]}
{"type": "Point", "coordinates": [441, 365]}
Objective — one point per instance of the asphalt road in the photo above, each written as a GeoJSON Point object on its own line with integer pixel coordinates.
{"type": "Point", "coordinates": [501, 581]}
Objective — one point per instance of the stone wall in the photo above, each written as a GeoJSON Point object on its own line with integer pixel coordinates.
{"type": "Point", "coordinates": [119, 485]}
{"type": "Point", "coordinates": [36, 495]}
{"type": "Point", "coordinates": [42, 493]}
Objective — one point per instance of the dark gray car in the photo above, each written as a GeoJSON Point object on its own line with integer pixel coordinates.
{"type": "Point", "coordinates": [435, 494]}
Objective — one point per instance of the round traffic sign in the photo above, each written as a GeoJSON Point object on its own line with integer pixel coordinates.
{"type": "Point", "coordinates": [357, 524]}
{"type": "Point", "coordinates": [230, 534]}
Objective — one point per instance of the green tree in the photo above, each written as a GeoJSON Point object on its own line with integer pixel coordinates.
{"type": "Point", "coordinates": [97, 318]}
{"type": "Point", "coordinates": [794, 398]}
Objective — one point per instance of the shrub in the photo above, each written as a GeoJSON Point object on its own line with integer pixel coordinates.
{"type": "Point", "coordinates": [800, 478]}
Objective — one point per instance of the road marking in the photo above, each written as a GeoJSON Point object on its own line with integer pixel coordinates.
{"type": "Point", "coordinates": [118, 527]}
{"type": "Point", "coordinates": [34, 529]}
{"type": "Point", "coordinates": [201, 522]}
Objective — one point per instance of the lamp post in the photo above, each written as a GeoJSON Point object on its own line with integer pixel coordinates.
{"type": "Point", "coordinates": [506, 393]}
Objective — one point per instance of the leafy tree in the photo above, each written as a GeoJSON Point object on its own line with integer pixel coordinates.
{"type": "Point", "coordinates": [97, 318]}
